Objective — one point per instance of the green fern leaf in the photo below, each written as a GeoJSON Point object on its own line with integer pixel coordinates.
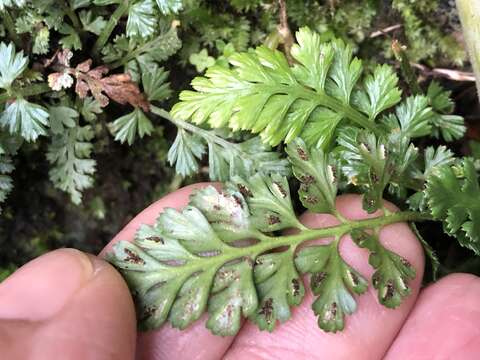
{"type": "Point", "coordinates": [141, 19]}
{"type": "Point", "coordinates": [90, 109]}
{"type": "Point", "coordinates": [92, 23]}
{"type": "Point", "coordinates": [184, 153]}
{"type": "Point", "coordinates": [268, 199]}
{"type": "Point", "coordinates": [262, 94]}
{"type": "Point", "coordinates": [450, 127]}
{"type": "Point", "coordinates": [71, 40]}
{"type": "Point", "coordinates": [366, 164]}
{"type": "Point", "coordinates": [127, 127]}
{"type": "Point", "coordinates": [193, 256]}
{"type": "Point", "coordinates": [62, 117]}
{"type": "Point", "coordinates": [69, 153]}
{"type": "Point", "coordinates": [414, 116]}
{"type": "Point", "coordinates": [392, 272]}
{"type": "Point", "coordinates": [334, 281]}
{"type": "Point", "coordinates": [318, 182]}
{"type": "Point", "coordinates": [454, 201]}
{"type": "Point", "coordinates": [234, 295]}
{"type": "Point", "coordinates": [12, 64]}
{"type": "Point", "coordinates": [169, 6]}
{"type": "Point", "coordinates": [279, 287]}
{"type": "Point", "coordinates": [24, 118]}
{"type": "Point", "coordinates": [183, 295]}
{"type": "Point", "coordinates": [154, 81]}
{"type": "Point", "coordinates": [216, 255]}
{"type": "Point", "coordinates": [381, 92]}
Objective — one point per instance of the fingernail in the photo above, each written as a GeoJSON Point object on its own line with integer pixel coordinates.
{"type": "Point", "coordinates": [41, 288]}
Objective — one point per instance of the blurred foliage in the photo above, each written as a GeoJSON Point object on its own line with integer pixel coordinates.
{"type": "Point", "coordinates": [181, 36]}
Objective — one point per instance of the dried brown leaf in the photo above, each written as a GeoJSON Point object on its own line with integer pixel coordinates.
{"type": "Point", "coordinates": [60, 57]}
{"type": "Point", "coordinates": [84, 66]}
{"type": "Point", "coordinates": [118, 87]}
{"type": "Point", "coordinates": [81, 89]}
{"type": "Point", "coordinates": [123, 90]}
{"type": "Point", "coordinates": [60, 80]}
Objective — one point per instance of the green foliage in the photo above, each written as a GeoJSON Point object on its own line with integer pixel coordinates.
{"type": "Point", "coordinates": [69, 154]}
{"type": "Point", "coordinates": [12, 66]}
{"type": "Point", "coordinates": [261, 93]}
{"type": "Point", "coordinates": [450, 127]}
{"type": "Point", "coordinates": [333, 281]}
{"type": "Point", "coordinates": [226, 159]}
{"type": "Point", "coordinates": [169, 6]}
{"type": "Point", "coordinates": [316, 174]}
{"type": "Point", "coordinates": [453, 195]}
{"type": "Point", "coordinates": [392, 272]}
{"type": "Point", "coordinates": [336, 123]}
{"type": "Point", "coordinates": [141, 19]}
{"type": "Point", "coordinates": [31, 108]}
{"type": "Point", "coordinates": [128, 126]}
{"type": "Point", "coordinates": [24, 118]}
{"type": "Point", "coordinates": [381, 92]}
{"type": "Point", "coordinates": [352, 127]}
{"type": "Point", "coordinates": [186, 263]}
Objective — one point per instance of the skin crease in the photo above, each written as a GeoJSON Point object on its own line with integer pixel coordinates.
{"type": "Point", "coordinates": [66, 305]}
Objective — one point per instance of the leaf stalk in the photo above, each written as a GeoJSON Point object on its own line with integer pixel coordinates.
{"type": "Point", "coordinates": [269, 243]}
{"type": "Point", "coordinates": [102, 39]}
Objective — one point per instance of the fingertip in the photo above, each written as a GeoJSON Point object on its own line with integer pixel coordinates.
{"type": "Point", "coordinates": [69, 303]}
{"type": "Point", "coordinates": [40, 288]}
{"type": "Point", "coordinates": [98, 322]}
{"type": "Point", "coordinates": [445, 322]}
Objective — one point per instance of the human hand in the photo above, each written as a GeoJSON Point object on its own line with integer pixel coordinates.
{"type": "Point", "coordinates": [68, 305]}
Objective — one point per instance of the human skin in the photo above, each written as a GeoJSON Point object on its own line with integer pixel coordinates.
{"type": "Point", "coordinates": [69, 305]}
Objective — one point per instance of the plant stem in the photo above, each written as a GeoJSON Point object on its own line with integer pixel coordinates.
{"type": "Point", "coordinates": [31, 90]}
{"type": "Point", "coordinates": [107, 30]}
{"type": "Point", "coordinates": [135, 53]}
{"type": "Point", "coordinates": [139, 50]}
{"type": "Point", "coordinates": [10, 27]}
{"type": "Point", "coordinates": [73, 17]}
{"type": "Point", "coordinates": [321, 98]}
{"type": "Point", "coordinates": [190, 127]}
{"type": "Point", "coordinates": [284, 31]}
{"type": "Point", "coordinates": [207, 135]}
{"type": "Point", "coordinates": [346, 227]}
{"type": "Point", "coordinates": [269, 243]}
{"type": "Point", "coordinates": [469, 12]}
{"type": "Point", "coordinates": [406, 68]}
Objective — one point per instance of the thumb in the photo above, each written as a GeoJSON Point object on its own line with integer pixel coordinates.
{"type": "Point", "coordinates": [66, 305]}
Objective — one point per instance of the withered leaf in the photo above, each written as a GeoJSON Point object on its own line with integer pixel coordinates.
{"type": "Point", "coordinates": [118, 87]}
{"type": "Point", "coordinates": [122, 89]}
{"type": "Point", "coordinates": [58, 81]}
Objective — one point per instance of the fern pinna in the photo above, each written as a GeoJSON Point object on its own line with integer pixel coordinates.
{"type": "Point", "coordinates": [338, 131]}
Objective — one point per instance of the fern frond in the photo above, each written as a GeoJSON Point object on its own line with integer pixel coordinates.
{"type": "Point", "coordinates": [219, 255]}
{"type": "Point", "coordinates": [263, 94]}
{"type": "Point", "coordinates": [69, 154]}
{"type": "Point", "coordinates": [6, 182]}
